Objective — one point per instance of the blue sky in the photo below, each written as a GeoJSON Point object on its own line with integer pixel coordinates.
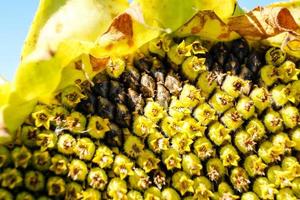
{"type": "Point", "coordinates": [15, 19]}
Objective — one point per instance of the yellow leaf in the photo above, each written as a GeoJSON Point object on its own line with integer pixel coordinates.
{"type": "Point", "coordinates": [208, 26]}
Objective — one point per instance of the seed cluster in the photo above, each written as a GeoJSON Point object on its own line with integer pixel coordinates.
{"type": "Point", "coordinates": [177, 122]}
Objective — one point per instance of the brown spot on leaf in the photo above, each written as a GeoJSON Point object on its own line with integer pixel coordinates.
{"type": "Point", "coordinates": [286, 20]}
{"type": "Point", "coordinates": [78, 81]}
{"type": "Point", "coordinates": [109, 46]}
{"type": "Point", "coordinates": [51, 52]}
{"type": "Point", "coordinates": [224, 35]}
{"type": "Point", "coordinates": [98, 63]}
{"type": "Point", "coordinates": [123, 24]}
{"type": "Point", "coordinates": [195, 30]}
{"type": "Point", "coordinates": [78, 65]}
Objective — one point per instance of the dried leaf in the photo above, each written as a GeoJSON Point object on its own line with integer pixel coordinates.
{"type": "Point", "coordinates": [262, 23]}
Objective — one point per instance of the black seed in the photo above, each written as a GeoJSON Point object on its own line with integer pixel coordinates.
{"type": "Point", "coordinates": [147, 86]}
{"type": "Point", "coordinates": [101, 85]}
{"type": "Point", "coordinates": [116, 93]}
{"type": "Point", "coordinates": [114, 137]}
{"type": "Point", "coordinates": [131, 78]}
{"type": "Point", "coordinates": [88, 105]}
{"type": "Point", "coordinates": [217, 67]}
{"type": "Point", "coordinates": [254, 62]}
{"type": "Point", "coordinates": [246, 73]}
{"type": "Point", "coordinates": [240, 48]}
{"type": "Point", "coordinates": [173, 84]}
{"type": "Point", "coordinates": [232, 65]}
{"type": "Point", "coordinates": [143, 64]}
{"type": "Point", "coordinates": [209, 62]}
{"type": "Point", "coordinates": [220, 53]}
{"type": "Point", "coordinates": [123, 116]}
{"type": "Point", "coordinates": [163, 96]}
{"type": "Point", "coordinates": [298, 64]}
{"type": "Point", "coordinates": [105, 108]}
{"type": "Point", "coordinates": [135, 101]}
